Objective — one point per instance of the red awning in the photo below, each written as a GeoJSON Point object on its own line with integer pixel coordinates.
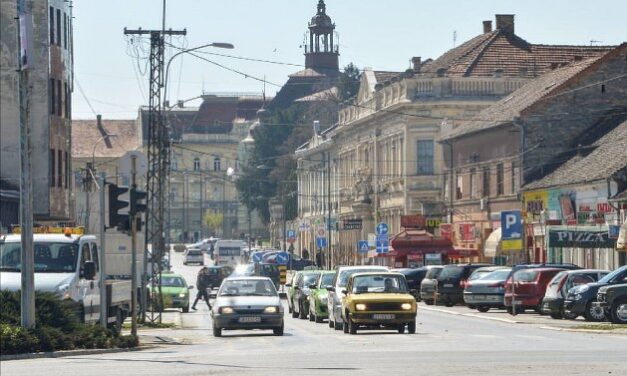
{"type": "Point", "coordinates": [463, 252]}
{"type": "Point", "coordinates": [411, 241]}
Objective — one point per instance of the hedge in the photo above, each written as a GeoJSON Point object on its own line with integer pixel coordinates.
{"type": "Point", "coordinates": [57, 327]}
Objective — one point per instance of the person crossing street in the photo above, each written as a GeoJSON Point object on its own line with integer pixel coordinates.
{"type": "Point", "coordinates": [202, 284]}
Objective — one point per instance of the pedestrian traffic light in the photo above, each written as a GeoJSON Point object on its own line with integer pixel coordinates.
{"type": "Point", "coordinates": [136, 196]}
{"type": "Point", "coordinates": [120, 221]}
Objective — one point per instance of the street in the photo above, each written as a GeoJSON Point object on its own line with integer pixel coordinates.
{"type": "Point", "coordinates": [444, 344]}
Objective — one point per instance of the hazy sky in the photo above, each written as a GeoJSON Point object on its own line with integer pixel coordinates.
{"type": "Point", "coordinates": [381, 34]}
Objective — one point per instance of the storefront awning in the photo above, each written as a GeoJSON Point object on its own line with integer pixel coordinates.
{"type": "Point", "coordinates": [621, 243]}
{"type": "Point", "coordinates": [419, 242]}
{"type": "Point", "coordinates": [493, 244]}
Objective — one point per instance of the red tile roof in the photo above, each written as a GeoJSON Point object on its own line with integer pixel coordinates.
{"type": "Point", "coordinates": [86, 135]}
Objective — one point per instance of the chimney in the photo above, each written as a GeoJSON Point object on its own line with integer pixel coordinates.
{"type": "Point", "coordinates": [505, 22]}
{"type": "Point", "coordinates": [487, 27]}
{"type": "Point", "coordinates": [99, 121]}
{"type": "Point", "coordinates": [416, 61]}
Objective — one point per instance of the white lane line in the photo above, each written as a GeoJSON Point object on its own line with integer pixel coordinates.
{"type": "Point", "coordinates": [470, 315]}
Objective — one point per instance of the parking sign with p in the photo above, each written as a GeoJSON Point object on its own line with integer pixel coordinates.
{"type": "Point", "coordinates": [511, 230]}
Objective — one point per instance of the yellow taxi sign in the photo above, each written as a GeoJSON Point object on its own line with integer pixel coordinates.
{"type": "Point", "coordinates": [80, 230]}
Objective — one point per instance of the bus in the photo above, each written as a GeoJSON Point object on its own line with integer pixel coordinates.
{"type": "Point", "coordinates": [228, 252]}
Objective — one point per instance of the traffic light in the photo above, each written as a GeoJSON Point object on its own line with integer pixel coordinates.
{"type": "Point", "coordinates": [136, 206]}
{"type": "Point", "coordinates": [121, 221]}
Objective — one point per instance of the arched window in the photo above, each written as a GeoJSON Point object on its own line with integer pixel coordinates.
{"type": "Point", "coordinates": [196, 164]}
{"type": "Point", "coordinates": [216, 164]}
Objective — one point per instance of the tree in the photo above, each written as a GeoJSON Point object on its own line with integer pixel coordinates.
{"type": "Point", "coordinates": [348, 84]}
{"type": "Point", "coordinates": [213, 220]}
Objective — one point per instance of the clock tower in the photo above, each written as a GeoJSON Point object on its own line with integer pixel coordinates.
{"type": "Point", "coordinates": [321, 42]}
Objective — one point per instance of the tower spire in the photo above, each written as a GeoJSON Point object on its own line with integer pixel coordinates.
{"type": "Point", "coordinates": [321, 50]}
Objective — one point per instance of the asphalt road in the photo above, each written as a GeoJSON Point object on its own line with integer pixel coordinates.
{"type": "Point", "coordinates": [444, 344]}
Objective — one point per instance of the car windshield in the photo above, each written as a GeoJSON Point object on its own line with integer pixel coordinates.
{"type": "Point", "coordinates": [613, 275]}
{"type": "Point", "coordinates": [247, 287]}
{"type": "Point", "coordinates": [310, 279]}
{"type": "Point", "coordinates": [194, 253]}
{"type": "Point", "coordinates": [347, 273]}
{"type": "Point", "coordinates": [327, 279]}
{"type": "Point", "coordinates": [433, 273]}
{"type": "Point", "coordinates": [497, 275]}
{"type": "Point", "coordinates": [479, 273]}
{"type": "Point", "coordinates": [525, 275]}
{"type": "Point", "coordinates": [50, 257]}
{"type": "Point", "coordinates": [451, 272]}
{"type": "Point", "coordinates": [172, 281]}
{"type": "Point", "coordinates": [379, 284]}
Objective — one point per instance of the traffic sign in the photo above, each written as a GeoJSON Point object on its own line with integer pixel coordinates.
{"type": "Point", "coordinates": [362, 246]}
{"type": "Point", "coordinates": [382, 228]}
{"type": "Point", "coordinates": [321, 242]}
{"type": "Point", "coordinates": [291, 236]}
{"type": "Point", "coordinates": [282, 258]}
{"type": "Point", "coordinates": [321, 232]}
{"type": "Point", "coordinates": [383, 243]}
{"type": "Point", "coordinates": [257, 257]}
{"type": "Point", "coordinates": [511, 230]}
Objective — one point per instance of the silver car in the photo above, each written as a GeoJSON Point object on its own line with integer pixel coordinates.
{"type": "Point", "coordinates": [247, 303]}
{"type": "Point", "coordinates": [334, 301]}
{"type": "Point", "coordinates": [194, 256]}
{"type": "Point", "coordinates": [487, 290]}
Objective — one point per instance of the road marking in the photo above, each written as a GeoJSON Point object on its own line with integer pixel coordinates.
{"type": "Point", "coordinates": [471, 315]}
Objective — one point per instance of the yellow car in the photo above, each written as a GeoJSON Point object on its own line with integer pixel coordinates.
{"type": "Point", "coordinates": [378, 300]}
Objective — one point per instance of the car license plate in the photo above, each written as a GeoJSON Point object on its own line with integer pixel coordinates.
{"type": "Point", "coordinates": [448, 285]}
{"type": "Point", "coordinates": [518, 302]}
{"type": "Point", "coordinates": [383, 316]}
{"type": "Point", "coordinates": [249, 319]}
{"type": "Point", "coordinates": [480, 297]}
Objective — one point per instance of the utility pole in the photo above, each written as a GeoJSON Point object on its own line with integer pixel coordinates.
{"type": "Point", "coordinates": [158, 152]}
{"type": "Point", "coordinates": [102, 258]}
{"type": "Point", "coordinates": [87, 184]}
{"type": "Point", "coordinates": [131, 216]}
{"type": "Point", "coordinates": [330, 262]}
{"type": "Point", "coordinates": [202, 203]}
{"type": "Point", "coordinates": [24, 34]}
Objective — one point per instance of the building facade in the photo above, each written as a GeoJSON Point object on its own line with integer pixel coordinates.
{"type": "Point", "coordinates": [49, 105]}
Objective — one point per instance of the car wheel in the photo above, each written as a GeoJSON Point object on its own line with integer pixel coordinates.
{"type": "Point", "coordinates": [338, 325]}
{"type": "Point", "coordinates": [449, 303]}
{"type": "Point", "coordinates": [483, 308]}
{"type": "Point", "coordinates": [186, 309]}
{"type": "Point", "coordinates": [411, 327]}
{"type": "Point", "coordinates": [312, 317]}
{"type": "Point", "coordinates": [289, 307]}
{"type": "Point", "coordinates": [278, 331]}
{"type": "Point", "coordinates": [301, 312]}
{"type": "Point", "coordinates": [217, 332]}
{"type": "Point", "coordinates": [331, 325]}
{"type": "Point", "coordinates": [352, 327]}
{"type": "Point", "coordinates": [294, 313]}
{"type": "Point", "coordinates": [472, 306]}
{"type": "Point", "coordinates": [556, 315]}
{"type": "Point", "coordinates": [619, 312]}
{"type": "Point", "coordinates": [593, 313]}
{"type": "Point", "coordinates": [401, 329]}
{"type": "Point", "coordinates": [344, 327]}
{"type": "Point", "coordinates": [428, 302]}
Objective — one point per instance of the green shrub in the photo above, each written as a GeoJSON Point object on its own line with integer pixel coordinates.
{"type": "Point", "coordinates": [16, 340]}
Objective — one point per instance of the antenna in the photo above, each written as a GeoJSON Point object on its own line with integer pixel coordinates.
{"type": "Point", "coordinates": [454, 38]}
{"type": "Point", "coordinates": [593, 42]}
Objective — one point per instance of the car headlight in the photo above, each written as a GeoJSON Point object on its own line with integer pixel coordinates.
{"type": "Point", "coordinates": [406, 306]}
{"type": "Point", "coordinates": [64, 291]}
{"type": "Point", "coordinates": [360, 307]}
{"type": "Point", "coordinates": [271, 309]}
{"type": "Point", "coordinates": [226, 310]}
{"type": "Point", "coordinates": [578, 297]}
{"type": "Point", "coordinates": [182, 295]}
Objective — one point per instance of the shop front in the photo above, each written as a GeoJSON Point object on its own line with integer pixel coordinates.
{"type": "Point", "coordinates": [414, 248]}
{"type": "Point", "coordinates": [586, 246]}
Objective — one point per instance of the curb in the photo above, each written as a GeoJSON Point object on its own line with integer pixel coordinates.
{"type": "Point", "coordinates": [594, 331]}
{"type": "Point", "coordinates": [66, 353]}
{"type": "Point", "coordinates": [472, 315]}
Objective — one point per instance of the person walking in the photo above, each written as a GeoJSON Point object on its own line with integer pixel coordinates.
{"type": "Point", "coordinates": [305, 254]}
{"type": "Point", "coordinates": [202, 284]}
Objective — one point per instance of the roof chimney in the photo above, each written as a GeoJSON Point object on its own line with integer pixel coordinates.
{"type": "Point", "coordinates": [505, 22]}
{"type": "Point", "coordinates": [416, 61]}
{"type": "Point", "coordinates": [487, 27]}
{"type": "Point", "coordinates": [99, 121]}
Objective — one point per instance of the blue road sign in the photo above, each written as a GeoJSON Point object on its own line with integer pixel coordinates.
{"type": "Point", "coordinates": [382, 228]}
{"type": "Point", "coordinates": [321, 242]}
{"type": "Point", "coordinates": [282, 258]}
{"type": "Point", "coordinates": [511, 225]}
{"type": "Point", "coordinates": [291, 234]}
{"type": "Point", "coordinates": [257, 257]}
{"type": "Point", "coordinates": [613, 232]}
{"type": "Point", "coordinates": [382, 243]}
{"type": "Point", "coordinates": [362, 246]}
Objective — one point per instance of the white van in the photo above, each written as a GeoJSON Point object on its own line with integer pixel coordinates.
{"type": "Point", "coordinates": [228, 252]}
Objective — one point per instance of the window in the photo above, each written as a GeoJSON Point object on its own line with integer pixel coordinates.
{"type": "Point", "coordinates": [53, 165]}
{"type": "Point", "coordinates": [196, 164]}
{"type": "Point", "coordinates": [58, 27]}
{"type": "Point", "coordinates": [65, 31]}
{"type": "Point", "coordinates": [65, 95]}
{"type": "Point", "coordinates": [67, 170]}
{"type": "Point", "coordinates": [486, 182]}
{"type": "Point", "coordinates": [460, 183]}
{"type": "Point", "coordinates": [473, 183]}
{"type": "Point", "coordinates": [51, 25]}
{"type": "Point", "coordinates": [94, 253]}
{"type": "Point", "coordinates": [425, 157]}
{"type": "Point", "coordinates": [59, 168]}
{"type": "Point", "coordinates": [515, 173]}
{"type": "Point", "coordinates": [59, 98]}
{"type": "Point", "coordinates": [499, 179]}
{"type": "Point", "coordinates": [216, 164]}
{"type": "Point", "coordinates": [68, 102]}
{"type": "Point", "coordinates": [52, 94]}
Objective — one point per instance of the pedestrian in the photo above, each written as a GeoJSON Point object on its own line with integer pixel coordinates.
{"type": "Point", "coordinates": [202, 284]}
{"type": "Point", "coordinates": [291, 248]}
{"type": "Point", "coordinates": [319, 258]}
{"type": "Point", "coordinates": [305, 254]}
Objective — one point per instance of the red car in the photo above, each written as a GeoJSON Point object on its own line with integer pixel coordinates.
{"type": "Point", "coordinates": [529, 288]}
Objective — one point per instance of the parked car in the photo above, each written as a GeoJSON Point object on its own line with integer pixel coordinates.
{"type": "Point", "coordinates": [334, 301]}
{"type": "Point", "coordinates": [194, 256]}
{"type": "Point", "coordinates": [486, 290]}
{"type": "Point", "coordinates": [378, 300]}
{"type": "Point", "coordinates": [247, 303]}
{"type": "Point", "coordinates": [613, 300]}
{"type": "Point", "coordinates": [292, 290]}
{"type": "Point", "coordinates": [451, 282]}
{"type": "Point", "coordinates": [553, 302]}
{"type": "Point", "coordinates": [414, 277]}
{"type": "Point", "coordinates": [174, 290]}
{"type": "Point", "coordinates": [429, 284]}
{"type": "Point", "coordinates": [300, 300]}
{"type": "Point", "coordinates": [508, 284]}
{"type": "Point", "coordinates": [529, 287]}
{"type": "Point", "coordinates": [318, 296]}
{"type": "Point", "coordinates": [579, 300]}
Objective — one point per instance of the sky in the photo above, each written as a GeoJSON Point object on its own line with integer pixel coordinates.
{"type": "Point", "coordinates": [111, 71]}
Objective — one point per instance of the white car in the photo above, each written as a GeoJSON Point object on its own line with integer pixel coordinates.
{"type": "Point", "coordinates": [194, 256]}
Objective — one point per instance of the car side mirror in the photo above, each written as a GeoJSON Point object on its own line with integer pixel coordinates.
{"type": "Point", "coordinates": [190, 287]}
{"type": "Point", "coordinates": [89, 270]}
{"type": "Point", "coordinates": [288, 285]}
{"type": "Point", "coordinates": [330, 288]}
